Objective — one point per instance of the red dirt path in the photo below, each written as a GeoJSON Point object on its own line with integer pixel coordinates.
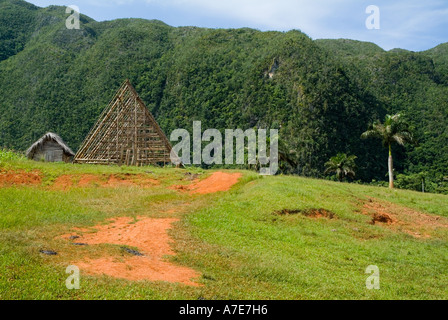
{"type": "Point", "coordinates": [218, 181]}
{"type": "Point", "coordinates": [151, 238]}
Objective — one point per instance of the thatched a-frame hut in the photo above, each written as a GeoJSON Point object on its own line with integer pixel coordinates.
{"type": "Point", "coordinates": [126, 133]}
{"type": "Point", "coordinates": [50, 148]}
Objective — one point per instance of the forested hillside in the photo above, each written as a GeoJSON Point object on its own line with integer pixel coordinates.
{"type": "Point", "coordinates": [321, 94]}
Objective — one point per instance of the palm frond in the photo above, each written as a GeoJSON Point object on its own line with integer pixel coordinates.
{"type": "Point", "coordinates": [342, 165]}
{"type": "Point", "coordinates": [373, 133]}
{"type": "Point", "coordinates": [394, 129]}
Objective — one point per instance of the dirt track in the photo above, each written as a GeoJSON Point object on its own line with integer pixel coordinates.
{"type": "Point", "coordinates": [148, 235]}
{"type": "Point", "coordinates": [218, 181]}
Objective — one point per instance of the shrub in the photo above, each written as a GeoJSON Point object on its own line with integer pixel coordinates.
{"type": "Point", "coordinates": [9, 155]}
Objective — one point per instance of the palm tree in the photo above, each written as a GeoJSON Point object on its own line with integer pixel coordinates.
{"type": "Point", "coordinates": [394, 130]}
{"type": "Point", "coordinates": [343, 165]}
{"type": "Point", "coordinates": [287, 155]}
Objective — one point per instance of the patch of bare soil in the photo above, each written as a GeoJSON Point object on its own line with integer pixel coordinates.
{"type": "Point", "coordinates": [19, 178]}
{"type": "Point", "coordinates": [218, 181]}
{"type": "Point", "coordinates": [151, 238]}
{"type": "Point", "coordinates": [382, 217]}
{"type": "Point", "coordinates": [65, 182]}
{"type": "Point", "coordinates": [117, 181]}
{"type": "Point", "coordinates": [415, 223]}
{"type": "Point", "coordinates": [88, 179]}
{"type": "Point", "coordinates": [311, 213]}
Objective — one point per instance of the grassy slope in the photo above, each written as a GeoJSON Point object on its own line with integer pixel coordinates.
{"type": "Point", "coordinates": [242, 250]}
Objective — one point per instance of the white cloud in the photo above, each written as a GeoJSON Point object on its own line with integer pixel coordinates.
{"type": "Point", "coordinates": [268, 14]}
{"type": "Point", "coordinates": [404, 23]}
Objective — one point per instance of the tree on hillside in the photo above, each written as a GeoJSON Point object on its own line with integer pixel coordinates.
{"type": "Point", "coordinates": [343, 165]}
{"type": "Point", "coordinates": [393, 130]}
{"type": "Point", "coordinates": [287, 157]}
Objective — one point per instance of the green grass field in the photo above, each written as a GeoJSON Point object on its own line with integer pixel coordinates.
{"type": "Point", "coordinates": [234, 239]}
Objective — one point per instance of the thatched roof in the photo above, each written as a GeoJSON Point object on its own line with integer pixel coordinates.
{"type": "Point", "coordinates": [48, 137]}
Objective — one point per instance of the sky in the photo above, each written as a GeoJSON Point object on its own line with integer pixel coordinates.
{"type": "Point", "coordinates": [415, 25]}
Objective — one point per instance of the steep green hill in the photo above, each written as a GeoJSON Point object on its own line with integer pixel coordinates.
{"type": "Point", "coordinates": [409, 82]}
{"type": "Point", "coordinates": [17, 21]}
{"type": "Point", "coordinates": [321, 94]}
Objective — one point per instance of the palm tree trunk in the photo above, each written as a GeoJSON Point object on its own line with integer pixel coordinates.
{"type": "Point", "coordinates": [391, 168]}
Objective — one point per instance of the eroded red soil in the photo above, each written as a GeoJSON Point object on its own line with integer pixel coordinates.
{"type": "Point", "coordinates": [149, 236]}
{"type": "Point", "coordinates": [19, 178]}
{"type": "Point", "coordinates": [415, 223]}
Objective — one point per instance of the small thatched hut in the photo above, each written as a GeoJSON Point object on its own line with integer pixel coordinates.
{"type": "Point", "coordinates": [50, 148]}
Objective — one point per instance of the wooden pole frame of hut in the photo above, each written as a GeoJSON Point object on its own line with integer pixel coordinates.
{"type": "Point", "coordinates": [126, 133]}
